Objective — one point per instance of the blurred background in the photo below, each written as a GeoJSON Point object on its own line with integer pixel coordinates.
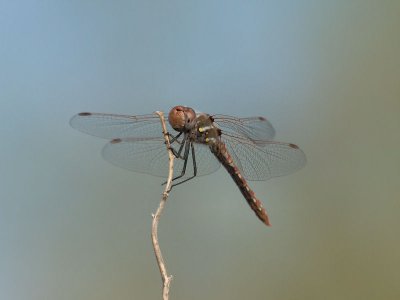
{"type": "Point", "coordinates": [327, 76]}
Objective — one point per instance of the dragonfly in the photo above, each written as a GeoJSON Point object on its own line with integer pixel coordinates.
{"type": "Point", "coordinates": [200, 142]}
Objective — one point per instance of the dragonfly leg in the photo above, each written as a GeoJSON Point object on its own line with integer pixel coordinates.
{"type": "Point", "coordinates": [178, 153]}
{"type": "Point", "coordinates": [194, 168]}
{"type": "Point", "coordinates": [185, 158]}
{"type": "Point", "coordinates": [174, 138]}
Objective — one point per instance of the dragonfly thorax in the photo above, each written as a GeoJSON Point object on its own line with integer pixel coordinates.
{"type": "Point", "coordinates": [206, 131]}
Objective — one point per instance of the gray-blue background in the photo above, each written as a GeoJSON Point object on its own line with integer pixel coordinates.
{"type": "Point", "coordinates": [325, 73]}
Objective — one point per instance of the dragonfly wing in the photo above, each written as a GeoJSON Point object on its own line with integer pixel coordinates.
{"type": "Point", "coordinates": [264, 160]}
{"type": "Point", "coordinates": [150, 156]}
{"type": "Point", "coordinates": [254, 128]}
{"type": "Point", "coordinates": [110, 126]}
{"type": "Point", "coordinates": [206, 162]}
{"type": "Point", "coordinates": [144, 156]}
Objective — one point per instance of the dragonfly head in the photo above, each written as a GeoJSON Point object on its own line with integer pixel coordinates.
{"type": "Point", "coordinates": [182, 118]}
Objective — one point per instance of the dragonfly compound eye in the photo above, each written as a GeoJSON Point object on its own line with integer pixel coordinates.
{"type": "Point", "coordinates": [181, 118]}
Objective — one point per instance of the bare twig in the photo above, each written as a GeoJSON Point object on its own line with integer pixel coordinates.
{"type": "Point", "coordinates": [156, 217]}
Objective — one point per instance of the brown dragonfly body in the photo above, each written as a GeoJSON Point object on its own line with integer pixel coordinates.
{"type": "Point", "coordinates": [202, 129]}
{"type": "Point", "coordinates": [244, 146]}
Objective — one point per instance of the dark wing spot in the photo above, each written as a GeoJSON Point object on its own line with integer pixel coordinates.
{"type": "Point", "coordinates": [84, 114]}
{"type": "Point", "coordinates": [116, 141]}
{"type": "Point", "coordinates": [293, 146]}
{"type": "Point", "coordinates": [262, 119]}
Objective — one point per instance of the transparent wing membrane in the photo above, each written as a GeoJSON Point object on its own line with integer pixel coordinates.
{"type": "Point", "coordinates": [257, 128]}
{"type": "Point", "coordinates": [263, 160]}
{"type": "Point", "coordinates": [137, 144]}
{"type": "Point", "coordinates": [150, 156]}
{"type": "Point", "coordinates": [110, 126]}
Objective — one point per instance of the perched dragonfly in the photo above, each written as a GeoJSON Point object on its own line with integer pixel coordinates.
{"type": "Point", "coordinates": [200, 142]}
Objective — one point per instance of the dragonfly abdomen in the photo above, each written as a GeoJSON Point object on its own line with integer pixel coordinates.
{"type": "Point", "coordinates": [222, 154]}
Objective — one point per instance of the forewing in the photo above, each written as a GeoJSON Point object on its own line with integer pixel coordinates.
{"type": "Point", "coordinates": [110, 126]}
{"type": "Point", "coordinates": [254, 128]}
